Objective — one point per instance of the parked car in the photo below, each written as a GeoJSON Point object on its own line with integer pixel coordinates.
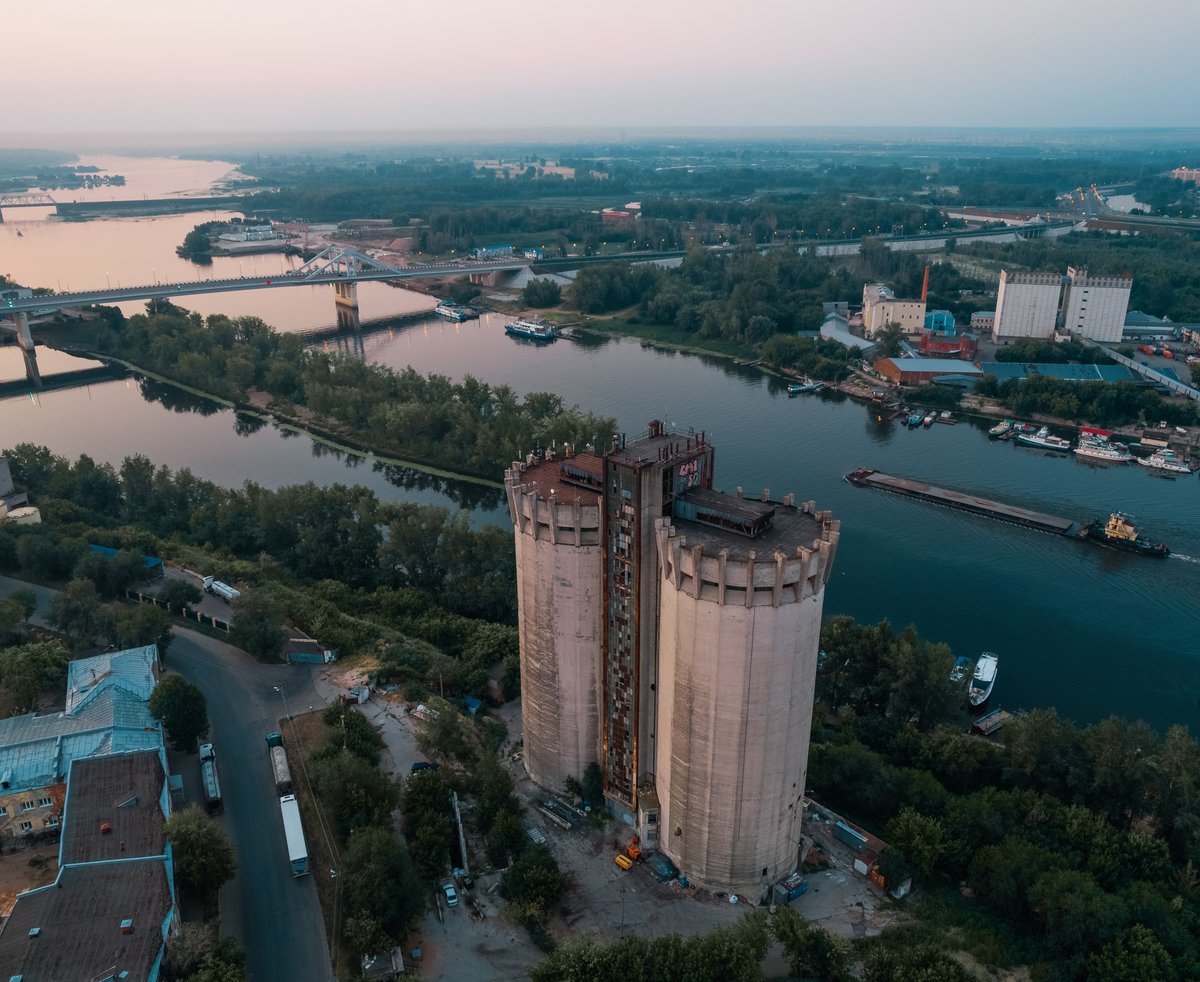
{"type": "Point", "coordinates": [623, 861]}
{"type": "Point", "coordinates": [451, 895]}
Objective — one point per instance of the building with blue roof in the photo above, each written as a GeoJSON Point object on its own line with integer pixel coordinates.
{"type": "Point", "coordinates": [107, 712]}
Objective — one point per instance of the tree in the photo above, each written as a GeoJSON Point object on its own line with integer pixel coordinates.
{"type": "Point", "coordinates": [25, 596]}
{"type": "Point", "coordinates": [182, 709]}
{"type": "Point", "coordinates": [359, 794]}
{"type": "Point", "coordinates": [257, 625]}
{"type": "Point", "coordinates": [351, 730]}
{"type": "Point", "coordinates": [192, 943]}
{"type": "Point", "coordinates": [380, 889]}
{"type": "Point", "coordinates": [812, 952]}
{"type": "Point", "coordinates": [1136, 954]}
{"type": "Point", "coordinates": [179, 593]}
{"type": "Point", "coordinates": [203, 857]}
{"type": "Point", "coordinates": [593, 785]}
{"type": "Point", "coordinates": [31, 669]}
{"type": "Point", "coordinates": [541, 293]}
{"type": "Point", "coordinates": [887, 340]}
{"type": "Point", "coordinates": [918, 837]}
{"type": "Point", "coordinates": [12, 621]}
{"type": "Point", "coordinates": [73, 609]}
{"type": "Point", "coordinates": [920, 962]}
{"type": "Point", "coordinates": [506, 840]}
{"type": "Point", "coordinates": [534, 885]}
{"type": "Point", "coordinates": [135, 627]}
{"type": "Point", "coordinates": [111, 574]}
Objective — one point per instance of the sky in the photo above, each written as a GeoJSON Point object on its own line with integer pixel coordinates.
{"type": "Point", "coordinates": [265, 66]}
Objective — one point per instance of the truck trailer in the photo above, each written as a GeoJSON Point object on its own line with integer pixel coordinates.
{"type": "Point", "coordinates": [280, 771]}
{"type": "Point", "coordinates": [297, 847]}
{"type": "Point", "coordinates": [219, 589]}
{"type": "Point", "coordinates": [212, 783]}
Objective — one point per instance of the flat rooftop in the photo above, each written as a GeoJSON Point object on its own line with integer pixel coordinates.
{"type": "Point", "coordinates": [79, 921]}
{"type": "Point", "coordinates": [649, 448]}
{"type": "Point", "coordinates": [790, 527]}
{"type": "Point", "coordinates": [123, 791]}
{"type": "Point", "coordinates": [547, 478]}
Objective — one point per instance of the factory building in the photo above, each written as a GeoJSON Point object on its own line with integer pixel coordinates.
{"type": "Point", "coordinates": [669, 633]}
{"type": "Point", "coordinates": [880, 308]}
{"type": "Point", "coordinates": [1095, 306]}
{"type": "Point", "coordinates": [1027, 304]}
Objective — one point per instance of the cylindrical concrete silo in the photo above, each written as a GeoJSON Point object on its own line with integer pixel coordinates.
{"type": "Point", "coordinates": [737, 670]}
{"type": "Point", "coordinates": [556, 526]}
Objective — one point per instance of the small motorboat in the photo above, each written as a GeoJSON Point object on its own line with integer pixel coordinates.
{"type": "Point", "coordinates": [1000, 429]}
{"type": "Point", "coordinates": [928, 421]}
{"type": "Point", "coordinates": [914, 419]}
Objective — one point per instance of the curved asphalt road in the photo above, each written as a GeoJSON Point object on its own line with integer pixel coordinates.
{"type": "Point", "coordinates": [275, 916]}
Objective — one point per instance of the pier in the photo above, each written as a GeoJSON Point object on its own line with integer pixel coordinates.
{"type": "Point", "coordinates": [865, 478]}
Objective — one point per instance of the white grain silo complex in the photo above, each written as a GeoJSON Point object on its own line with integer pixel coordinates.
{"type": "Point", "coordinates": [670, 633]}
{"type": "Point", "coordinates": [555, 509]}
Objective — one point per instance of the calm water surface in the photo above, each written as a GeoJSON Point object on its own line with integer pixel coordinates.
{"type": "Point", "coordinates": [1088, 630]}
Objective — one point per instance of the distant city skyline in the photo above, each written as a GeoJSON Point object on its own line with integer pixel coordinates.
{"type": "Point", "coordinates": [135, 67]}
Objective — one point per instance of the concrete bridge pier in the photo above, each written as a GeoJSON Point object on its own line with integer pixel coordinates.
{"type": "Point", "coordinates": [19, 322]}
{"type": "Point", "coordinates": [346, 294]}
{"type": "Point", "coordinates": [31, 367]}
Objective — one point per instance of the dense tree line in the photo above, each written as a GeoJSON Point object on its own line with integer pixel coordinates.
{"type": "Point", "coordinates": [470, 426]}
{"type": "Point", "coordinates": [1034, 350]}
{"type": "Point", "coordinates": [343, 565]}
{"type": "Point", "coordinates": [1105, 403]}
{"type": "Point", "coordinates": [1074, 842]}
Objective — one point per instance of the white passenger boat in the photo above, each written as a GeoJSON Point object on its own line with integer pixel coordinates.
{"type": "Point", "coordinates": [535, 330]}
{"type": "Point", "coordinates": [1045, 439]}
{"type": "Point", "coordinates": [1116, 453]}
{"type": "Point", "coordinates": [985, 677]}
{"type": "Point", "coordinates": [1164, 460]}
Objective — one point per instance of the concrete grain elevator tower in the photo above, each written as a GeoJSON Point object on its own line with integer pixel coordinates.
{"type": "Point", "coordinates": [670, 633]}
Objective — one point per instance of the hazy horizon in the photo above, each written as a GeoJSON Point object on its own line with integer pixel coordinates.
{"type": "Point", "coordinates": [273, 69]}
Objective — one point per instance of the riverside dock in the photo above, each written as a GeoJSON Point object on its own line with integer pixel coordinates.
{"type": "Point", "coordinates": [866, 478]}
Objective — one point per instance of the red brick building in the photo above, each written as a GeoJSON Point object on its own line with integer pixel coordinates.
{"type": "Point", "coordinates": [961, 346]}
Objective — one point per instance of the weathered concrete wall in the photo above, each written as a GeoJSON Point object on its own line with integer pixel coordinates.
{"type": "Point", "coordinates": [560, 606]}
{"type": "Point", "coordinates": [736, 684]}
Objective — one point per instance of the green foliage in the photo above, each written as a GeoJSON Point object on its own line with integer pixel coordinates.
{"type": "Point", "coordinates": [350, 730]}
{"type": "Point", "coordinates": [358, 793]}
{"type": "Point", "coordinates": [593, 785]}
{"type": "Point", "coordinates": [13, 621]}
{"type": "Point", "coordinates": [427, 815]}
{"type": "Point", "coordinates": [918, 838]}
{"type": "Point", "coordinates": [923, 962]}
{"type": "Point", "coordinates": [446, 734]}
{"type": "Point", "coordinates": [819, 358]}
{"type": "Point", "coordinates": [182, 709]}
{"type": "Point", "coordinates": [111, 574]}
{"type": "Point", "coordinates": [75, 607]}
{"type": "Point", "coordinates": [28, 670]}
{"type": "Point", "coordinates": [25, 596]}
{"type": "Point", "coordinates": [179, 594]}
{"type": "Point", "coordinates": [725, 954]}
{"type": "Point", "coordinates": [811, 952]}
{"type": "Point", "coordinates": [192, 944]}
{"type": "Point", "coordinates": [533, 885]}
{"type": "Point", "coordinates": [541, 293]}
{"type": "Point", "coordinates": [937, 396]}
{"type": "Point", "coordinates": [381, 893]}
{"type": "Point", "coordinates": [134, 627]}
{"type": "Point", "coordinates": [203, 857]}
{"type": "Point", "coordinates": [1135, 954]}
{"type": "Point", "coordinates": [887, 340]}
{"type": "Point", "coordinates": [257, 625]}
{"type": "Point", "coordinates": [1054, 352]}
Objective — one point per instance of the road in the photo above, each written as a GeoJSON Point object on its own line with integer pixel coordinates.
{"type": "Point", "coordinates": [275, 916]}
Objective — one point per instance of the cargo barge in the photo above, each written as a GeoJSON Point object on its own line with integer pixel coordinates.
{"type": "Point", "coordinates": [865, 478]}
{"type": "Point", "coordinates": [1119, 533]}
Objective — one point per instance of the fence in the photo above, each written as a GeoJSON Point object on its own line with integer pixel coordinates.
{"type": "Point", "coordinates": [185, 613]}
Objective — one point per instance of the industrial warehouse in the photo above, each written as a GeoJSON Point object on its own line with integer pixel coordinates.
{"type": "Point", "coordinates": [670, 633]}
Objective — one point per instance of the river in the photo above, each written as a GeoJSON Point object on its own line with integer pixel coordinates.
{"type": "Point", "coordinates": [1087, 630]}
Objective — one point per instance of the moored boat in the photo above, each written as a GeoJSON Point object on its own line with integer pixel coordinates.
{"type": "Point", "coordinates": [984, 678]}
{"type": "Point", "coordinates": [1120, 533]}
{"type": "Point", "coordinates": [1000, 429]}
{"type": "Point", "coordinates": [1044, 439]}
{"type": "Point", "coordinates": [914, 419]}
{"type": "Point", "coordinates": [534, 330]}
{"type": "Point", "coordinates": [1093, 449]}
{"type": "Point", "coordinates": [1164, 460]}
{"type": "Point", "coordinates": [453, 311]}
{"type": "Point", "coordinates": [793, 389]}
{"type": "Point", "coordinates": [928, 421]}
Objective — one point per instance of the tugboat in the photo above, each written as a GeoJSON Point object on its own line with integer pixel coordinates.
{"type": "Point", "coordinates": [1000, 429]}
{"type": "Point", "coordinates": [534, 330]}
{"type": "Point", "coordinates": [985, 677]}
{"type": "Point", "coordinates": [1121, 533]}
